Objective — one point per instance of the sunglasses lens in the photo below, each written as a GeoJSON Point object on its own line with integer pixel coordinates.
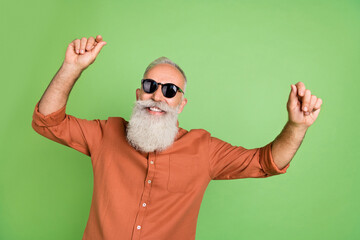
{"type": "Point", "coordinates": [149, 86]}
{"type": "Point", "coordinates": [169, 90]}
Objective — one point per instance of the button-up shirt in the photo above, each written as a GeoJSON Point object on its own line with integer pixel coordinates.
{"type": "Point", "coordinates": [154, 195]}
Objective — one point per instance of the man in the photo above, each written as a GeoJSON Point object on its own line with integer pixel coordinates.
{"type": "Point", "coordinates": [149, 174]}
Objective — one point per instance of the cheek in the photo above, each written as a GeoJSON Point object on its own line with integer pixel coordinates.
{"type": "Point", "coordinates": [144, 96]}
{"type": "Point", "coordinates": [173, 102]}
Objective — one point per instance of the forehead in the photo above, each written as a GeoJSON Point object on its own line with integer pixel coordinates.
{"type": "Point", "coordinates": [166, 73]}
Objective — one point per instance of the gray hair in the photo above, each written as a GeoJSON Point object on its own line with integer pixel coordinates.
{"type": "Point", "coordinates": [165, 60]}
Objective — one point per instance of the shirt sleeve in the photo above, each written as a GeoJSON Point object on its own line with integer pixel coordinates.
{"type": "Point", "coordinates": [232, 162]}
{"type": "Point", "coordinates": [80, 134]}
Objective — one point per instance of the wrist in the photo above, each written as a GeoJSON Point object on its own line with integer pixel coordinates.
{"type": "Point", "coordinates": [297, 126]}
{"type": "Point", "coordinates": [70, 69]}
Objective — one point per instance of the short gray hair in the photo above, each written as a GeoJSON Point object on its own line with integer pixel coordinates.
{"type": "Point", "coordinates": [165, 60]}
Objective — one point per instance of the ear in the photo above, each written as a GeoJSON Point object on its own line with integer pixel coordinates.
{"type": "Point", "coordinates": [137, 94]}
{"type": "Point", "coordinates": [182, 105]}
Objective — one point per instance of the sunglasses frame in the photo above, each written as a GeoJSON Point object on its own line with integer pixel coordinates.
{"type": "Point", "coordinates": [178, 89]}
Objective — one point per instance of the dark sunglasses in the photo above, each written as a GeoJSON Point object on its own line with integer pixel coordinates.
{"type": "Point", "coordinates": [169, 90]}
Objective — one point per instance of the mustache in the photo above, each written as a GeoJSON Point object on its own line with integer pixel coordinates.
{"type": "Point", "coordinates": [161, 105]}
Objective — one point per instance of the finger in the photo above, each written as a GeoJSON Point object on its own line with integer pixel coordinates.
{"type": "Point", "coordinates": [318, 104]}
{"type": "Point", "coordinates": [82, 45]}
{"type": "Point", "coordinates": [98, 38]}
{"type": "Point", "coordinates": [77, 45]}
{"type": "Point", "coordinates": [293, 100]}
{"type": "Point", "coordinates": [90, 43]}
{"type": "Point", "coordinates": [71, 47]}
{"type": "Point", "coordinates": [306, 100]}
{"type": "Point", "coordinates": [316, 113]}
{"type": "Point", "coordinates": [313, 100]}
{"type": "Point", "coordinates": [301, 88]}
{"type": "Point", "coordinates": [98, 47]}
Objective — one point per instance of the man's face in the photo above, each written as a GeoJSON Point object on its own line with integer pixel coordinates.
{"type": "Point", "coordinates": [164, 73]}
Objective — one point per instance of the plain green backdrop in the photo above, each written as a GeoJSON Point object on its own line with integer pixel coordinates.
{"type": "Point", "coordinates": [240, 58]}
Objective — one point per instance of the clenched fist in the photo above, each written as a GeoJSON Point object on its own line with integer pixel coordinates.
{"type": "Point", "coordinates": [303, 108]}
{"type": "Point", "coordinates": [80, 53]}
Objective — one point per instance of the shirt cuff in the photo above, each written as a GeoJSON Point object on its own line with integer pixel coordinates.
{"type": "Point", "coordinates": [49, 120]}
{"type": "Point", "coordinates": [268, 163]}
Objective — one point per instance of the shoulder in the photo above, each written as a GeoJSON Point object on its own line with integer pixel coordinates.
{"type": "Point", "coordinates": [204, 135]}
{"type": "Point", "coordinates": [117, 122]}
{"type": "Point", "coordinates": [198, 133]}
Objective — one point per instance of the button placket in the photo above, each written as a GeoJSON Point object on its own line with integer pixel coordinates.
{"type": "Point", "coordinates": [145, 196]}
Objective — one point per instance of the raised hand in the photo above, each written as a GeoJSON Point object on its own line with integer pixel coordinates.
{"type": "Point", "coordinates": [303, 108]}
{"type": "Point", "coordinates": [80, 53]}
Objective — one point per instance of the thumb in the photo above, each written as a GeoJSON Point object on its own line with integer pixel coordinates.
{"type": "Point", "coordinates": [98, 47]}
{"type": "Point", "coordinates": [316, 113]}
{"type": "Point", "coordinates": [293, 100]}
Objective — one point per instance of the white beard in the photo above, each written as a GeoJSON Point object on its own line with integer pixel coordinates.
{"type": "Point", "coordinates": [149, 133]}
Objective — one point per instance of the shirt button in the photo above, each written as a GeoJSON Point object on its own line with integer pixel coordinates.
{"type": "Point", "coordinates": [138, 227]}
{"type": "Point", "coordinates": [144, 204]}
{"type": "Point", "coordinates": [152, 162]}
{"type": "Point", "coordinates": [149, 181]}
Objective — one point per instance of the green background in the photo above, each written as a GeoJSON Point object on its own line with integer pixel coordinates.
{"type": "Point", "coordinates": [240, 58]}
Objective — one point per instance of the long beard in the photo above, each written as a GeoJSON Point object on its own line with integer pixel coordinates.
{"type": "Point", "coordinates": [149, 133]}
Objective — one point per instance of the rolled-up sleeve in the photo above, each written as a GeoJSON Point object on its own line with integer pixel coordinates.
{"type": "Point", "coordinates": [233, 162]}
{"type": "Point", "coordinates": [80, 134]}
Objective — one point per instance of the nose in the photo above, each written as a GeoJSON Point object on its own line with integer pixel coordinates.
{"type": "Point", "coordinates": [157, 96]}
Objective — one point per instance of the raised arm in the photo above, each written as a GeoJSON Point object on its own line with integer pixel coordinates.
{"type": "Point", "coordinates": [49, 117]}
{"type": "Point", "coordinates": [80, 53]}
{"type": "Point", "coordinates": [303, 109]}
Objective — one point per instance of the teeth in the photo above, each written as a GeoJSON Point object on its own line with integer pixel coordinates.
{"type": "Point", "coordinates": [155, 109]}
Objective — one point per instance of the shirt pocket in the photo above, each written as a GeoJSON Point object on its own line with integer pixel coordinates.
{"type": "Point", "coordinates": [182, 173]}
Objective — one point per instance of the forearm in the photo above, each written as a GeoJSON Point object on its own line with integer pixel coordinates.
{"type": "Point", "coordinates": [287, 143]}
{"type": "Point", "coordinates": [57, 93]}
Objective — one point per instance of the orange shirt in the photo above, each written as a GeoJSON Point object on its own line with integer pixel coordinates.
{"type": "Point", "coordinates": [150, 196]}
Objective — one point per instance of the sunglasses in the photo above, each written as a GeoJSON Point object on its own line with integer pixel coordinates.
{"type": "Point", "coordinates": [169, 90]}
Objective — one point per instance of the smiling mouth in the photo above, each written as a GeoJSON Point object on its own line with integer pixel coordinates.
{"type": "Point", "coordinates": [155, 110]}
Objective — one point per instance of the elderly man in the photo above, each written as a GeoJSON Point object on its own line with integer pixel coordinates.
{"type": "Point", "coordinates": [149, 174]}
